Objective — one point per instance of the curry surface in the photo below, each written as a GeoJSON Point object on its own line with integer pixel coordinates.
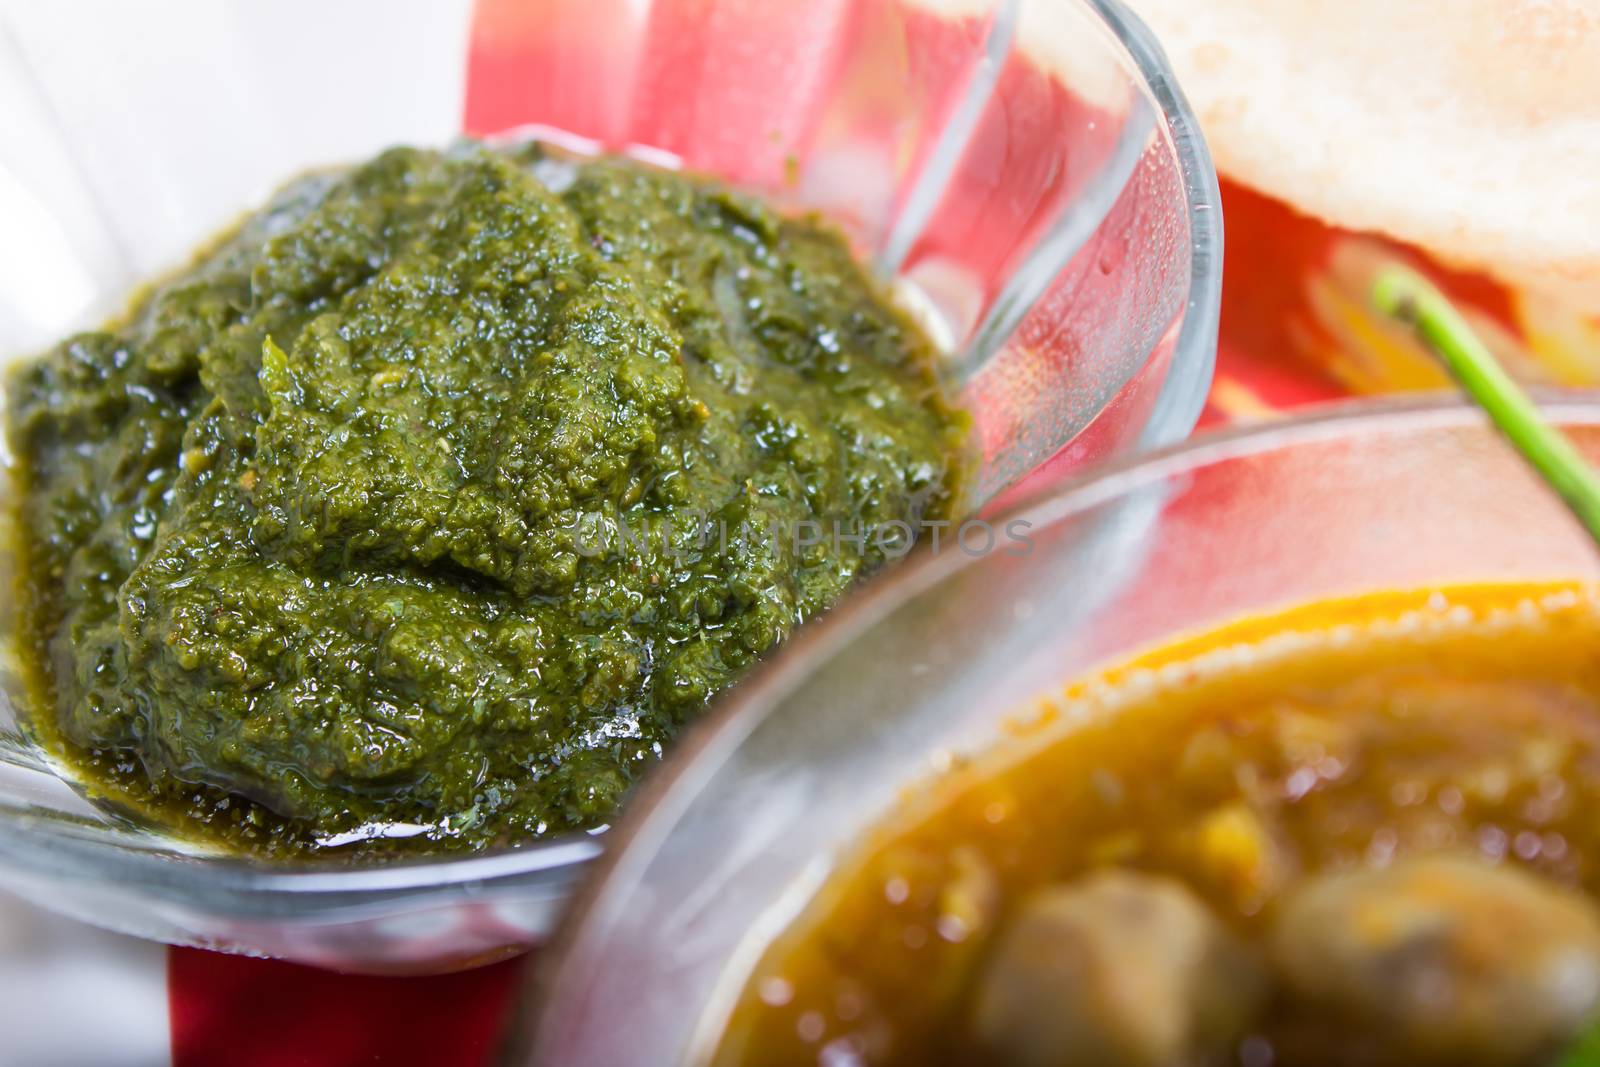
{"type": "Point", "coordinates": [1349, 736]}
{"type": "Point", "coordinates": [434, 498]}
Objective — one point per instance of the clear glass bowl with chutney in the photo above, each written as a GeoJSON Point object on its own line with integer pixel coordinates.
{"type": "Point", "coordinates": [1026, 172]}
{"type": "Point", "coordinates": [945, 658]}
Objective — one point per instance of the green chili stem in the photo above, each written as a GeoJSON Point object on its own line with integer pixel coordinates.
{"type": "Point", "coordinates": [1409, 298]}
{"type": "Point", "coordinates": [1585, 1051]}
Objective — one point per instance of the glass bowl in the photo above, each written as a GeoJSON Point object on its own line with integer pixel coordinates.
{"type": "Point", "coordinates": [732, 838]}
{"type": "Point", "coordinates": [1025, 171]}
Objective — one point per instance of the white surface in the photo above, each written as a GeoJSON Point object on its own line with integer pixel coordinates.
{"type": "Point", "coordinates": [74, 996]}
{"type": "Point", "coordinates": [130, 131]}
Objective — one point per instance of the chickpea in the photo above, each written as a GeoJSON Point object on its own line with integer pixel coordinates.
{"type": "Point", "coordinates": [1117, 970]}
{"type": "Point", "coordinates": [1450, 959]}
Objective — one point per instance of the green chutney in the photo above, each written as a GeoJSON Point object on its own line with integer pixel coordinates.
{"type": "Point", "coordinates": [434, 499]}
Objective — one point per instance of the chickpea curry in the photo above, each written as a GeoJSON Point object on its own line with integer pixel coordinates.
{"type": "Point", "coordinates": [1362, 832]}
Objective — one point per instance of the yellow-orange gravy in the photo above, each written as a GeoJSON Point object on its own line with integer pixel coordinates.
{"type": "Point", "coordinates": [1298, 795]}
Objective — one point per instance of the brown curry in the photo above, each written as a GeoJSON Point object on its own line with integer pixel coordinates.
{"type": "Point", "coordinates": [1362, 832]}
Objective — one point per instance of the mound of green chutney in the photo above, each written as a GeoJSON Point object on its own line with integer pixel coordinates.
{"type": "Point", "coordinates": [435, 498]}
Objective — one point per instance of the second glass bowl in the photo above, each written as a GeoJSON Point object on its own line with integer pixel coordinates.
{"type": "Point", "coordinates": [738, 831]}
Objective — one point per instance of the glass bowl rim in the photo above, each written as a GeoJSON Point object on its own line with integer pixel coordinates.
{"type": "Point", "coordinates": [244, 888]}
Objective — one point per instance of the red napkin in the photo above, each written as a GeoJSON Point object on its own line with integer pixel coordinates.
{"type": "Point", "coordinates": [265, 1013]}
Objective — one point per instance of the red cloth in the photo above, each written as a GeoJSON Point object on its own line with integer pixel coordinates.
{"type": "Point", "coordinates": [265, 1013]}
